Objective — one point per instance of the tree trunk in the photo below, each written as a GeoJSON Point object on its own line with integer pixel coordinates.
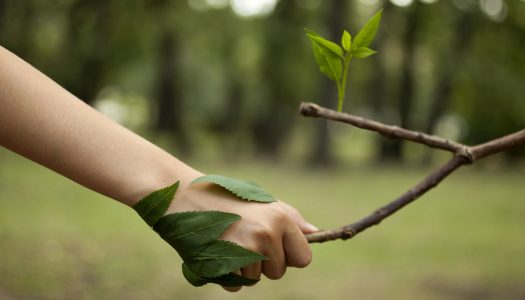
{"type": "Point", "coordinates": [271, 125]}
{"type": "Point", "coordinates": [391, 150]}
{"type": "Point", "coordinates": [168, 97]}
{"type": "Point", "coordinates": [321, 149]}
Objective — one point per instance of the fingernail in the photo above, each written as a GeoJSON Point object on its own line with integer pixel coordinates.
{"type": "Point", "coordinates": [311, 227]}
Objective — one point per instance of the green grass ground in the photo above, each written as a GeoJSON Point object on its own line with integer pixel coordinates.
{"type": "Point", "coordinates": [464, 240]}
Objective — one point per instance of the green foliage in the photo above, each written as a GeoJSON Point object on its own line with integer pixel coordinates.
{"type": "Point", "coordinates": [219, 258]}
{"type": "Point", "coordinates": [230, 279]}
{"type": "Point", "coordinates": [346, 40]}
{"type": "Point", "coordinates": [243, 189]}
{"type": "Point", "coordinates": [333, 60]}
{"type": "Point", "coordinates": [367, 34]}
{"type": "Point", "coordinates": [195, 234]}
{"type": "Point", "coordinates": [194, 227]}
{"type": "Point", "coordinates": [328, 56]}
{"type": "Point", "coordinates": [155, 205]}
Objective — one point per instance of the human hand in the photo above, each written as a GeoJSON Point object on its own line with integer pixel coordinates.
{"type": "Point", "coordinates": [275, 229]}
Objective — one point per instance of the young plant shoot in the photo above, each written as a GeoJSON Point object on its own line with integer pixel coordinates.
{"type": "Point", "coordinates": [334, 59]}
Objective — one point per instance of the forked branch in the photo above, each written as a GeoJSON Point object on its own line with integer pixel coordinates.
{"type": "Point", "coordinates": [463, 154]}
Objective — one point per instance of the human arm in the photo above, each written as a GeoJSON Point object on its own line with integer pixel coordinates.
{"type": "Point", "coordinates": [45, 123]}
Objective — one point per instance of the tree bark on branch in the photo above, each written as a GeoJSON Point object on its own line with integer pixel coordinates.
{"type": "Point", "coordinates": [463, 155]}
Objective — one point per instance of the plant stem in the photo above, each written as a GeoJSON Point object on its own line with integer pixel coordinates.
{"type": "Point", "coordinates": [341, 86]}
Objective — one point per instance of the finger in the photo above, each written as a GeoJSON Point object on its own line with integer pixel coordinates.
{"type": "Point", "coordinates": [297, 251]}
{"type": "Point", "coordinates": [233, 289]}
{"type": "Point", "coordinates": [252, 271]}
{"type": "Point", "coordinates": [275, 266]}
{"type": "Point", "coordinates": [299, 219]}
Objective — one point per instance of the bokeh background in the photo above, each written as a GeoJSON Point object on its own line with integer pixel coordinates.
{"type": "Point", "coordinates": [218, 83]}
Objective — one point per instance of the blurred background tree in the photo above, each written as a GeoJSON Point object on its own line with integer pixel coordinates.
{"type": "Point", "coordinates": [226, 77]}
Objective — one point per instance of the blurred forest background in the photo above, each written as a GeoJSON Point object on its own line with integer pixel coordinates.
{"type": "Point", "coordinates": [218, 83]}
{"type": "Point", "coordinates": [229, 75]}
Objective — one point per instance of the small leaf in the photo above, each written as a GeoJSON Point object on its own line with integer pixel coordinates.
{"type": "Point", "coordinates": [329, 63]}
{"type": "Point", "coordinates": [363, 52]}
{"type": "Point", "coordinates": [310, 32]}
{"type": "Point", "coordinates": [152, 207]}
{"type": "Point", "coordinates": [346, 40]}
{"type": "Point", "coordinates": [240, 188]}
{"type": "Point", "coordinates": [188, 230]}
{"type": "Point", "coordinates": [221, 257]}
{"type": "Point", "coordinates": [368, 32]}
{"type": "Point", "coordinates": [326, 44]}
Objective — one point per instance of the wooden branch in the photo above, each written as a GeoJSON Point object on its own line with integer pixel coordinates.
{"type": "Point", "coordinates": [462, 155]}
{"type": "Point", "coordinates": [389, 131]}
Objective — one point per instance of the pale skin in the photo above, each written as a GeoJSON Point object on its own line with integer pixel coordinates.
{"type": "Point", "coordinates": [43, 122]}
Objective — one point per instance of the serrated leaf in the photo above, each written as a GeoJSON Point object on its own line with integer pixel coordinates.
{"type": "Point", "coordinates": [240, 188]}
{"type": "Point", "coordinates": [192, 278]}
{"type": "Point", "coordinates": [367, 34]}
{"type": "Point", "coordinates": [188, 230]}
{"type": "Point", "coordinates": [230, 279]}
{"type": "Point", "coordinates": [346, 41]}
{"type": "Point", "coordinates": [152, 207]}
{"type": "Point", "coordinates": [363, 52]}
{"type": "Point", "coordinates": [221, 257]}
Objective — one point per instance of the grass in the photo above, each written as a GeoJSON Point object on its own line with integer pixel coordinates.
{"type": "Point", "coordinates": [463, 240]}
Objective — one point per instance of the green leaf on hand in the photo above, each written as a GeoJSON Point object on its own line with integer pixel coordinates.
{"type": "Point", "coordinates": [221, 257]}
{"type": "Point", "coordinates": [346, 41]}
{"type": "Point", "coordinates": [368, 32]}
{"type": "Point", "coordinates": [152, 207]}
{"type": "Point", "coordinates": [230, 279]}
{"type": "Point", "coordinates": [243, 189]}
{"type": "Point", "coordinates": [193, 278]}
{"type": "Point", "coordinates": [363, 52]}
{"type": "Point", "coordinates": [194, 235]}
{"type": "Point", "coordinates": [188, 230]}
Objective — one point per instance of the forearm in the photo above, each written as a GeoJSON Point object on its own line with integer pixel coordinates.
{"type": "Point", "coordinates": [43, 122]}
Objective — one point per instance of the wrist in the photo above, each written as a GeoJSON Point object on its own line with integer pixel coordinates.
{"type": "Point", "coordinates": [161, 172]}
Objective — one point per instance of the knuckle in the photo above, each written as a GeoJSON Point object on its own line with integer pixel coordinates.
{"type": "Point", "coordinates": [263, 233]}
{"type": "Point", "coordinates": [280, 215]}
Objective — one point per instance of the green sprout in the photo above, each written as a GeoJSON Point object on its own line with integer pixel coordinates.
{"type": "Point", "coordinates": [333, 59]}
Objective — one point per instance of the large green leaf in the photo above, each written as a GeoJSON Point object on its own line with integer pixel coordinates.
{"type": "Point", "coordinates": [193, 278]}
{"type": "Point", "coordinates": [368, 32]}
{"type": "Point", "coordinates": [188, 230]}
{"type": "Point", "coordinates": [221, 257]}
{"type": "Point", "coordinates": [230, 279]}
{"type": "Point", "coordinates": [243, 189]}
{"type": "Point", "coordinates": [152, 207]}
